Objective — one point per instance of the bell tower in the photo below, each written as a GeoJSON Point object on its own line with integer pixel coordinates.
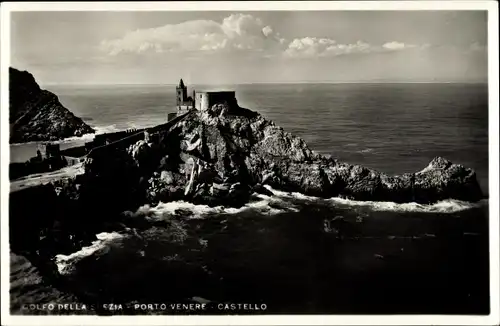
{"type": "Point", "coordinates": [181, 93]}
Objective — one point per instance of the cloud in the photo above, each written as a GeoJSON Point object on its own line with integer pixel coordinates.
{"type": "Point", "coordinates": [394, 46]}
{"type": "Point", "coordinates": [321, 47]}
{"type": "Point", "coordinates": [267, 31]}
{"type": "Point", "coordinates": [324, 47]}
{"type": "Point", "coordinates": [236, 32]}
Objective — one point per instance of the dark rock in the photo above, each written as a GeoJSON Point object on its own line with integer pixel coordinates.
{"type": "Point", "coordinates": [111, 183]}
{"type": "Point", "coordinates": [441, 180]}
{"type": "Point", "coordinates": [37, 114]}
{"type": "Point", "coordinates": [219, 190]}
{"type": "Point", "coordinates": [238, 194]}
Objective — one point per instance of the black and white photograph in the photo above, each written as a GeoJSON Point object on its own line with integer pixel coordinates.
{"type": "Point", "coordinates": [237, 161]}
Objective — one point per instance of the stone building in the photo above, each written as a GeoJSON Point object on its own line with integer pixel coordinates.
{"type": "Point", "coordinates": [205, 100]}
{"type": "Point", "coordinates": [184, 102]}
{"type": "Point", "coordinates": [201, 101]}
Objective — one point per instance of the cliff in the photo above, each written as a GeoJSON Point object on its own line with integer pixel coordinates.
{"type": "Point", "coordinates": [37, 114]}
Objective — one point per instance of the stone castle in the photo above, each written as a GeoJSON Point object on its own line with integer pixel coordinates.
{"type": "Point", "coordinates": [201, 101]}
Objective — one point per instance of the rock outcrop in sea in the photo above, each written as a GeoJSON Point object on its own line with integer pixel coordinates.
{"type": "Point", "coordinates": [223, 155]}
{"type": "Point", "coordinates": [37, 114]}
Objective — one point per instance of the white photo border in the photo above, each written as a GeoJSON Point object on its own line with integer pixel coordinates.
{"type": "Point", "coordinates": [490, 6]}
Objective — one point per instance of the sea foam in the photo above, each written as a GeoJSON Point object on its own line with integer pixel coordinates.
{"type": "Point", "coordinates": [65, 263]}
{"type": "Point", "coordinates": [266, 205]}
{"type": "Point", "coordinates": [105, 129]}
{"type": "Point", "coordinates": [443, 206]}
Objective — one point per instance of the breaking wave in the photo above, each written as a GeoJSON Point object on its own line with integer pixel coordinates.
{"type": "Point", "coordinates": [99, 130]}
{"type": "Point", "coordinates": [84, 137]}
{"type": "Point", "coordinates": [105, 129]}
{"type": "Point", "coordinates": [76, 139]}
{"type": "Point", "coordinates": [291, 195]}
{"type": "Point", "coordinates": [89, 137]}
{"type": "Point", "coordinates": [66, 263]}
{"type": "Point", "coordinates": [265, 205]}
{"type": "Point", "coordinates": [281, 202]}
{"type": "Point", "coordinates": [443, 206]}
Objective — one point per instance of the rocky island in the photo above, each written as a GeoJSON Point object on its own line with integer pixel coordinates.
{"type": "Point", "coordinates": [224, 153]}
{"type": "Point", "coordinates": [36, 114]}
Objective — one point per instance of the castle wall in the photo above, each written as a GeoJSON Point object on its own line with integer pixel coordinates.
{"type": "Point", "coordinates": [205, 100]}
{"type": "Point", "coordinates": [171, 116]}
{"type": "Point", "coordinates": [221, 97]}
{"type": "Point", "coordinates": [181, 109]}
{"type": "Point", "coordinates": [202, 101]}
{"type": "Point", "coordinates": [111, 137]}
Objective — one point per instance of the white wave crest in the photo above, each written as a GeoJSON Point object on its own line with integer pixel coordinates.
{"type": "Point", "coordinates": [292, 195]}
{"type": "Point", "coordinates": [82, 138]}
{"type": "Point", "coordinates": [65, 263]}
{"type": "Point", "coordinates": [443, 206]}
{"type": "Point", "coordinates": [98, 131]}
{"type": "Point", "coordinates": [262, 206]}
{"type": "Point", "coordinates": [89, 137]}
{"type": "Point", "coordinates": [75, 139]}
{"type": "Point", "coordinates": [106, 129]}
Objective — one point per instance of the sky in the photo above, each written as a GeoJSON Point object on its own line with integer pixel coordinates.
{"type": "Point", "coordinates": [226, 47]}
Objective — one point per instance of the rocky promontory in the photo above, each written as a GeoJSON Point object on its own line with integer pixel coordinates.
{"type": "Point", "coordinates": [37, 114]}
{"type": "Point", "coordinates": [223, 155]}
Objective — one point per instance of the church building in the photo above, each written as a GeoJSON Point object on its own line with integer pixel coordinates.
{"type": "Point", "coordinates": [201, 101]}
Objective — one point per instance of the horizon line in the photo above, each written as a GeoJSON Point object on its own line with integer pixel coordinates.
{"type": "Point", "coordinates": [268, 83]}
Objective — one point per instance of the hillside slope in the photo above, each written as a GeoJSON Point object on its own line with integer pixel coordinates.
{"type": "Point", "coordinates": [37, 114]}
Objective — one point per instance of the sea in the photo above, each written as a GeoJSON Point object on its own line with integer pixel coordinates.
{"type": "Point", "coordinates": [291, 253]}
